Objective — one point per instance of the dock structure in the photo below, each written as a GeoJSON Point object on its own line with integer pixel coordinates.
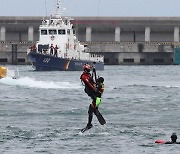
{"type": "Point", "coordinates": [122, 40]}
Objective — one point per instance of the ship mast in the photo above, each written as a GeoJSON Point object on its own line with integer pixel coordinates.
{"type": "Point", "coordinates": [58, 9]}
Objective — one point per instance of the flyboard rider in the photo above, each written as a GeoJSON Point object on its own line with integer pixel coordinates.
{"type": "Point", "coordinates": [94, 89]}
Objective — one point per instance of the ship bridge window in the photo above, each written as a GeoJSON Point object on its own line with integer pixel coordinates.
{"type": "Point", "coordinates": [61, 31]}
{"type": "Point", "coordinates": [43, 32]}
{"type": "Point", "coordinates": [68, 31]}
{"type": "Point", "coordinates": [52, 31]}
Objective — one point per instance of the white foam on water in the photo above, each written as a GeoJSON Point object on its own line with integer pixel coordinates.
{"type": "Point", "coordinates": [32, 83]}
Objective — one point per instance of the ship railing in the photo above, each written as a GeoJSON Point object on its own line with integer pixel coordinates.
{"type": "Point", "coordinates": [91, 57]}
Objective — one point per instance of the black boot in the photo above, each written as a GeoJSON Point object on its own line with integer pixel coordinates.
{"type": "Point", "coordinates": [89, 126]}
{"type": "Point", "coordinates": [86, 128]}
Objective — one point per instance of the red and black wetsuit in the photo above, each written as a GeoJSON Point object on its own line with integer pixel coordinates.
{"type": "Point", "coordinates": [90, 90]}
{"type": "Point", "coordinates": [89, 85]}
{"type": "Point", "coordinates": [93, 90]}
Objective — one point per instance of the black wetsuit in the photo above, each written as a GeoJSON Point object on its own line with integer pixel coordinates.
{"type": "Point", "coordinates": [173, 140]}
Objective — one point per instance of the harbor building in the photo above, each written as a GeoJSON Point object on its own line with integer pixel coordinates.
{"type": "Point", "coordinates": [122, 40]}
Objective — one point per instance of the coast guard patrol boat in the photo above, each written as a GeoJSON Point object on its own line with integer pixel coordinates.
{"type": "Point", "coordinates": [59, 49]}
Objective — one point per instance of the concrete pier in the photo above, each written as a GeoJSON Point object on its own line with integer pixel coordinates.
{"type": "Point", "coordinates": [31, 34]}
{"type": "Point", "coordinates": [117, 34]}
{"type": "Point", "coordinates": [147, 34]}
{"type": "Point", "coordinates": [122, 40]}
{"type": "Point", "coordinates": [176, 34]}
{"type": "Point", "coordinates": [88, 34]}
{"type": "Point", "coordinates": [3, 34]}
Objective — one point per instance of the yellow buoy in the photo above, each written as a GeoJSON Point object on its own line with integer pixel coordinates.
{"type": "Point", "coordinates": [3, 72]}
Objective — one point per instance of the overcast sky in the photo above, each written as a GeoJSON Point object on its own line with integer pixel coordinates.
{"type": "Point", "coordinates": [91, 7]}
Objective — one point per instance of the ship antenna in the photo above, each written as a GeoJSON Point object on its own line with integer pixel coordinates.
{"type": "Point", "coordinates": [45, 7]}
{"type": "Point", "coordinates": [98, 9]}
{"type": "Point", "coordinates": [58, 9]}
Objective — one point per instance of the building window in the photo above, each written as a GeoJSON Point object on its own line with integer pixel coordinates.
{"type": "Point", "coordinates": [158, 60]}
{"type": "Point", "coordinates": [129, 60]}
{"type": "Point", "coordinates": [4, 60]}
{"type": "Point", "coordinates": [116, 61]}
{"type": "Point", "coordinates": [21, 60]}
{"type": "Point", "coordinates": [142, 60]}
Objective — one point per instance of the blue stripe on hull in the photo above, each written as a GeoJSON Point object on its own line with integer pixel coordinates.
{"type": "Point", "coordinates": [43, 62]}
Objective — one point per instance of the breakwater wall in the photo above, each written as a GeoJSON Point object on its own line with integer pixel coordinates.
{"type": "Point", "coordinates": [114, 53]}
{"type": "Point", "coordinates": [122, 40]}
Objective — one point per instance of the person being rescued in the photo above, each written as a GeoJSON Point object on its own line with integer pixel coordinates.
{"type": "Point", "coordinates": [173, 139]}
{"type": "Point", "coordinates": [93, 90]}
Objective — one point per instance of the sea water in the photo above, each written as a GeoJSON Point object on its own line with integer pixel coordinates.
{"type": "Point", "coordinates": [43, 112]}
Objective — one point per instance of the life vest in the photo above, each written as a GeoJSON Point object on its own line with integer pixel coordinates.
{"type": "Point", "coordinates": [102, 88]}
